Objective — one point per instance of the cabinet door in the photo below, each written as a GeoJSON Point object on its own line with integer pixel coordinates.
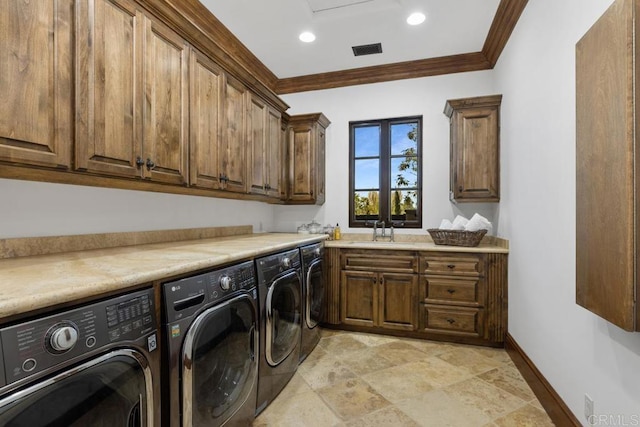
{"type": "Point", "coordinates": [302, 163]}
{"type": "Point", "coordinates": [233, 153]}
{"type": "Point", "coordinates": [398, 301]}
{"type": "Point", "coordinates": [205, 112]}
{"type": "Point", "coordinates": [109, 87]}
{"type": "Point", "coordinates": [320, 162]}
{"type": "Point", "coordinates": [359, 298]}
{"type": "Point", "coordinates": [258, 149]}
{"type": "Point", "coordinates": [165, 107]}
{"type": "Point", "coordinates": [274, 153]}
{"type": "Point", "coordinates": [476, 158]}
{"type": "Point", "coordinates": [36, 119]}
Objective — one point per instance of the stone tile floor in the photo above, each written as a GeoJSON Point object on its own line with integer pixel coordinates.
{"type": "Point", "coordinates": [355, 379]}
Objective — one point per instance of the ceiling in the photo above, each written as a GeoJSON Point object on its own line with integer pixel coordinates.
{"type": "Point", "coordinates": [458, 35]}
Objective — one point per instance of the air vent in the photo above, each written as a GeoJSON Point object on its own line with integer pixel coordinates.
{"type": "Point", "coordinates": [367, 49]}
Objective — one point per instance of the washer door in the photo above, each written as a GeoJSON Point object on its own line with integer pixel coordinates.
{"type": "Point", "coordinates": [283, 317]}
{"type": "Point", "coordinates": [315, 294]}
{"type": "Point", "coordinates": [219, 363]}
{"type": "Point", "coordinates": [112, 390]}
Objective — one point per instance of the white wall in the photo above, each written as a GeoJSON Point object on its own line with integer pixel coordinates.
{"type": "Point", "coordinates": [426, 97]}
{"type": "Point", "coordinates": [31, 209]}
{"type": "Point", "coordinates": [576, 351]}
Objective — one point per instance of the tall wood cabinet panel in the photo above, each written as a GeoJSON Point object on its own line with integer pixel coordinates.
{"type": "Point", "coordinates": [109, 87]}
{"type": "Point", "coordinates": [206, 104]}
{"type": "Point", "coordinates": [233, 143]}
{"type": "Point", "coordinates": [165, 113]}
{"type": "Point", "coordinates": [475, 148]}
{"type": "Point", "coordinates": [607, 176]}
{"type": "Point", "coordinates": [306, 157]}
{"type": "Point", "coordinates": [36, 115]}
{"type": "Point", "coordinates": [264, 148]}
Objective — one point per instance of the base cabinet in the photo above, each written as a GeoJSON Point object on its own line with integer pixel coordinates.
{"type": "Point", "coordinates": [449, 296]}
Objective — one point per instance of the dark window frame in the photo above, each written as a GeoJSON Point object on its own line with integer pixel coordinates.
{"type": "Point", "coordinates": [385, 180]}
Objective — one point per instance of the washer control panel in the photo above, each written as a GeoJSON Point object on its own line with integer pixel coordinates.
{"type": "Point", "coordinates": [33, 346]}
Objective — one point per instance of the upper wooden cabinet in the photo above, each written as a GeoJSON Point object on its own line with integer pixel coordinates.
{"type": "Point", "coordinates": [264, 148]}
{"type": "Point", "coordinates": [306, 157]}
{"type": "Point", "coordinates": [607, 162]}
{"type": "Point", "coordinates": [475, 148]}
{"type": "Point", "coordinates": [131, 94]}
{"type": "Point", "coordinates": [36, 82]}
{"type": "Point", "coordinates": [234, 135]}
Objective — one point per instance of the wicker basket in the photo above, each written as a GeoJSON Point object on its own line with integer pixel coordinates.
{"type": "Point", "coordinates": [456, 237]}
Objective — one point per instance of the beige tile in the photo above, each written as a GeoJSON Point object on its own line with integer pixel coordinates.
{"type": "Point", "coordinates": [527, 416]}
{"type": "Point", "coordinates": [325, 372]}
{"type": "Point", "coordinates": [324, 332]}
{"type": "Point", "coordinates": [536, 404]}
{"type": "Point", "coordinates": [387, 417]}
{"type": "Point", "coordinates": [296, 385]}
{"type": "Point", "coordinates": [317, 355]}
{"type": "Point", "coordinates": [492, 401]}
{"type": "Point", "coordinates": [437, 408]}
{"type": "Point", "coordinates": [497, 354]}
{"type": "Point", "coordinates": [399, 352]}
{"type": "Point", "coordinates": [469, 359]}
{"type": "Point", "coordinates": [294, 410]}
{"type": "Point", "coordinates": [438, 372]}
{"type": "Point", "coordinates": [352, 399]}
{"type": "Point", "coordinates": [365, 361]}
{"type": "Point", "coordinates": [399, 382]}
{"type": "Point", "coordinates": [339, 345]}
{"type": "Point", "coordinates": [372, 340]}
{"type": "Point", "coordinates": [509, 379]}
{"type": "Point", "coordinates": [431, 348]}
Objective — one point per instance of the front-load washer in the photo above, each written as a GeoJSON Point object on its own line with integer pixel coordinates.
{"type": "Point", "coordinates": [96, 364]}
{"type": "Point", "coordinates": [211, 329]}
{"type": "Point", "coordinates": [313, 297]}
{"type": "Point", "coordinates": [279, 288]}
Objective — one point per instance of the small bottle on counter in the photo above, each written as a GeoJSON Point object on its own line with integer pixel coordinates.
{"type": "Point", "coordinates": [336, 233]}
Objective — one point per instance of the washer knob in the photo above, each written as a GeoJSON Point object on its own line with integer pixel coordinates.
{"type": "Point", "coordinates": [63, 338]}
{"type": "Point", "coordinates": [286, 262]}
{"type": "Point", "coordinates": [225, 283]}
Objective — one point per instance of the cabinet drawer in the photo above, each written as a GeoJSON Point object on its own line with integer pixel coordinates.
{"type": "Point", "coordinates": [453, 265]}
{"type": "Point", "coordinates": [456, 291]}
{"type": "Point", "coordinates": [452, 320]}
{"type": "Point", "coordinates": [380, 261]}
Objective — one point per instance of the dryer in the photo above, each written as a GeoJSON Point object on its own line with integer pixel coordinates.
{"type": "Point", "coordinates": [211, 330]}
{"type": "Point", "coordinates": [279, 288]}
{"type": "Point", "coordinates": [313, 297]}
{"type": "Point", "coordinates": [94, 365]}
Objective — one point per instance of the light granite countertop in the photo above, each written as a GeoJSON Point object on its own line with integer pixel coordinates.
{"type": "Point", "coordinates": [31, 283]}
{"type": "Point", "coordinates": [413, 242]}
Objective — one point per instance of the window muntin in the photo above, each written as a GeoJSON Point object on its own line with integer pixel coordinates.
{"type": "Point", "coordinates": [385, 172]}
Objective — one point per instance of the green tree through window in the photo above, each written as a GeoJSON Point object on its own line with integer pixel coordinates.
{"type": "Point", "coordinates": [385, 172]}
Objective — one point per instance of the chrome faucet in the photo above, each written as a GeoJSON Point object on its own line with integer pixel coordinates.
{"type": "Point", "coordinates": [383, 233]}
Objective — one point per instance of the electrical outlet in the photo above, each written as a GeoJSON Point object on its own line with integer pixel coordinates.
{"type": "Point", "coordinates": [588, 408]}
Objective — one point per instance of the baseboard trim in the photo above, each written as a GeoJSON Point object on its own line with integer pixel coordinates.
{"type": "Point", "coordinates": [558, 411]}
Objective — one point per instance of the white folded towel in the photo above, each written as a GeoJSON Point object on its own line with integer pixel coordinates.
{"type": "Point", "coordinates": [478, 222]}
{"type": "Point", "coordinates": [459, 223]}
{"type": "Point", "coordinates": [445, 225]}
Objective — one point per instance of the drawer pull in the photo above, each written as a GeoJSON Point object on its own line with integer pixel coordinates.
{"type": "Point", "coordinates": [451, 266]}
{"type": "Point", "coordinates": [451, 291]}
{"type": "Point", "coordinates": [451, 321]}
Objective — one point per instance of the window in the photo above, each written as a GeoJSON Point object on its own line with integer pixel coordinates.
{"type": "Point", "coordinates": [385, 172]}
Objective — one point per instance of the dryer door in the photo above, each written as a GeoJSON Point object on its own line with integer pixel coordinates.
{"type": "Point", "coordinates": [112, 390]}
{"type": "Point", "coordinates": [315, 294]}
{"type": "Point", "coordinates": [283, 317]}
{"type": "Point", "coordinates": [219, 363]}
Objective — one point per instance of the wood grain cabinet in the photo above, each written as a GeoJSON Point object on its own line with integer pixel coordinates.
{"type": "Point", "coordinates": [607, 162]}
{"type": "Point", "coordinates": [379, 290]}
{"type": "Point", "coordinates": [217, 133]}
{"type": "Point", "coordinates": [36, 82]}
{"type": "Point", "coordinates": [306, 158]}
{"type": "Point", "coordinates": [264, 149]}
{"type": "Point", "coordinates": [475, 148]}
{"type": "Point", "coordinates": [131, 94]}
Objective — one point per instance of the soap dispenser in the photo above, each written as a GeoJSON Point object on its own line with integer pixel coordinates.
{"type": "Point", "coordinates": [336, 232]}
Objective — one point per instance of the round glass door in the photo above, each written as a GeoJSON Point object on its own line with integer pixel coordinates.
{"type": "Point", "coordinates": [112, 390]}
{"type": "Point", "coordinates": [283, 317]}
{"type": "Point", "coordinates": [219, 362]}
{"type": "Point", "coordinates": [315, 294]}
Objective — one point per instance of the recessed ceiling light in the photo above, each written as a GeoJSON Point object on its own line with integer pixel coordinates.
{"type": "Point", "coordinates": [307, 37]}
{"type": "Point", "coordinates": [416, 18]}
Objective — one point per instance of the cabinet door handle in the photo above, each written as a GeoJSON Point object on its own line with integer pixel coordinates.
{"type": "Point", "coordinates": [150, 164]}
{"type": "Point", "coordinates": [139, 162]}
{"type": "Point", "coordinates": [451, 266]}
{"type": "Point", "coordinates": [451, 321]}
{"type": "Point", "coordinates": [451, 291]}
{"type": "Point", "coordinates": [460, 188]}
{"type": "Point", "coordinates": [375, 280]}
